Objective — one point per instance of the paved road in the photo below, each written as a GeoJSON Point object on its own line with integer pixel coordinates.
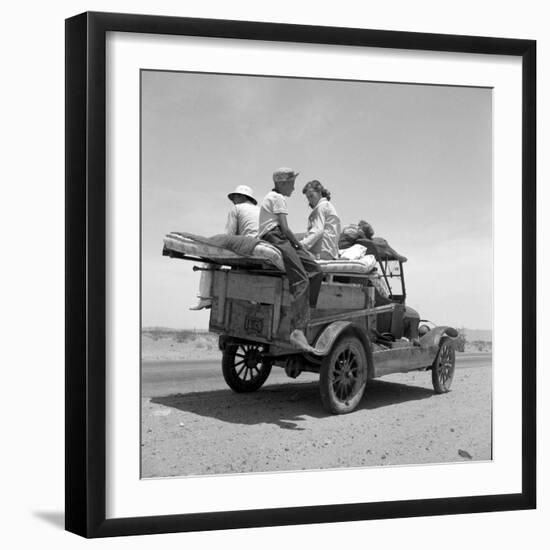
{"type": "Point", "coordinates": [169, 377]}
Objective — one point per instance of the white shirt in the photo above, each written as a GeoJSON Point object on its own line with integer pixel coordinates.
{"type": "Point", "coordinates": [354, 252]}
{"type": "Point", "coordinates": [323, 231]}
{"type": "Point", "coordinates": [243, 219]}
{"type": "Point", "coordinates": [273, 204]}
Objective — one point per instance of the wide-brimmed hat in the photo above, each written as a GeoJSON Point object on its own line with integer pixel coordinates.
{"type": "Point", "coordinates": [284, 174]}
{"type": "Point", "coordinates": [243, 190]}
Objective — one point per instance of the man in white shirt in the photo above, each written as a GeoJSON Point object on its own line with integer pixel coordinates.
{"type": "Point", "coordinates": [304, 275]}
{"type": "Point", "coordinates": [242, 219]}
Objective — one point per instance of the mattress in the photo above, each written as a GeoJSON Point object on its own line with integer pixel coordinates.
{"type": "Point", "coordinates": [348, 267]}
{"type": "Point", "coordinates": [264, 255]}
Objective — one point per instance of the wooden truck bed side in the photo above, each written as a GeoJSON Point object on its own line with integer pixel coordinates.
{"type": "Point", "coordinates": [257, 306]}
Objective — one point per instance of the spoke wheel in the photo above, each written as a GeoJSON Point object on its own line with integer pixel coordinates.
{"type": "Point", "coordinates": [244, 368]}
{"type": "Point", "coordinates": [443, 368]}
{"type": "Point", "coordinates": [343, 376]}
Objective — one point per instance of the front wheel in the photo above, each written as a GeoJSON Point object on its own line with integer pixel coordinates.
{"type": "Point", "coordinates": [443, 368]}
{"type": "Point", "coordinates": [343, 376]}
{"type": "Point", "coordinates": [244, 368]}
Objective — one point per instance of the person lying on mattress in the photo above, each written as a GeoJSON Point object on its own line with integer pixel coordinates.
{"type": "Point", "coordinates": [304, 275]}
{"type": "Point", "coordinates": [355, 244]}
{"type": "Point", "coordinates": [323, 225]}
{"type": "Point", "coordinates": [357, 235]}
{"type": "Point", "coordinates": [361, 236]}
{"type": "Point", "coordinates": [242, 219]}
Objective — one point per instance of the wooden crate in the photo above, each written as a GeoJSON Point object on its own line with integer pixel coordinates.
{"type": "Point", "coordinates": [341, 296]}
{"type": "Point", "coordinates": [248, 305]}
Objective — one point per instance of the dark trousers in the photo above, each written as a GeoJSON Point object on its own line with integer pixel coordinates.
{"type": "Point", "coordinates": [304, 276]}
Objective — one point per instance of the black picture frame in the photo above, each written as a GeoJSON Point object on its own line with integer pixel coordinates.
{"type": "Point", "coordinates": [86, 274]}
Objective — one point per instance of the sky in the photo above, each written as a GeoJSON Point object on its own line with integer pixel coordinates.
{"type": "Point", "coordinates": [413, 160]}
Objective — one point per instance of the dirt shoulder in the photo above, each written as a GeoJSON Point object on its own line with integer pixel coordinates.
{"type": "Point", "coordinates": [284, 427]}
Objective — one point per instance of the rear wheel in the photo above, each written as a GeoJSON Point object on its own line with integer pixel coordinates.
{"type": "Point", "coordinates": [244, 368]}
{"type": "Point", "coordinates": [343, 376]}
{"type": "Point", "coordinates": [443, 368]}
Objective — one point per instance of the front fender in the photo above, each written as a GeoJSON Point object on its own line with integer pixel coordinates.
{"type": "Point", "coordinates": [328, 336]}
{"type": "Point", "coordinates": [433, 337]}
{"type": "Point", "coordinates": [332, 332]}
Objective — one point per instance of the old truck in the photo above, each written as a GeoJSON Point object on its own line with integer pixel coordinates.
{"type": "Point", "coordinates": [361, 327]}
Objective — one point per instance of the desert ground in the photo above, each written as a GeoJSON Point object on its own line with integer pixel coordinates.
{"type": "Point", "coordinates": [193, 424]}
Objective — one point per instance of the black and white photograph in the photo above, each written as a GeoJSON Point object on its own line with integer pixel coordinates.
{"type": "Point", "coordinates": [316, 274]}
{"type": "Point", "coordinates": [274, 274]}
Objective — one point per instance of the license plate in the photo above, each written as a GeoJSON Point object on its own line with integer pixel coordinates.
{"type": "Point", "coordinates": [253, 325]}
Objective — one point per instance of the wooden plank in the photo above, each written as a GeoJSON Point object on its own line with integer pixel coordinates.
{"type": "Point", "coordinates": [214, 326]}
{"type": "Point", "coordinates": [371, 296]}
{"type": "Point", "coordinates": [277, 305]}
{"type": "Point", "coordinates": [221, 295]}
{"type": "Point", "coordinates": [286, 297]}
{"type": "Point", "coordinates": [254, 288]}
{"type": "Point", "coordinates": [371, 300]}
{"type": "Point", "coordinates": [284, 324]}
{"type": "Point", "coordinates": [257, 288]}
{"type": "Point", "coordinates": [349, 315]}
{"type": "Point", "coordinates": [217, 281]}
{"type": "Point", "coordinates": [335, 295]}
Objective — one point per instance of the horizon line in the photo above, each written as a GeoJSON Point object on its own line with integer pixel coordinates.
{"type": "Point", "coordinates": [160, 327]}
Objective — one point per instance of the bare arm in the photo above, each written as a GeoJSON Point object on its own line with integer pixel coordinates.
{"type": "Point", "coordinates": [283, 224]}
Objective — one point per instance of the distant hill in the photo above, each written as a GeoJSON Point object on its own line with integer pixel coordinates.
{"type": "Point", "coordinates": [180, 335]}
{"type": "Point", "coordinates": [169, 344]}
{"type": "Point", "coordinates": [474, 335]}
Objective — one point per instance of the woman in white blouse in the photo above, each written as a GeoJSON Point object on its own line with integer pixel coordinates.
{"type": "Point", "coordinates": [323, 226]}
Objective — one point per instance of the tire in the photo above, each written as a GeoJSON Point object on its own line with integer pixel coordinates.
{"type": "Point", "coordinates": [243, 368]}
{"type": "Point", "coordinates": [343, 376]}
{"type": "Point", "coordinates": [443, 368]}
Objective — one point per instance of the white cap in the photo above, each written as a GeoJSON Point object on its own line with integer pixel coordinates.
{"type": "Point", "coordinates": [283, 174]}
